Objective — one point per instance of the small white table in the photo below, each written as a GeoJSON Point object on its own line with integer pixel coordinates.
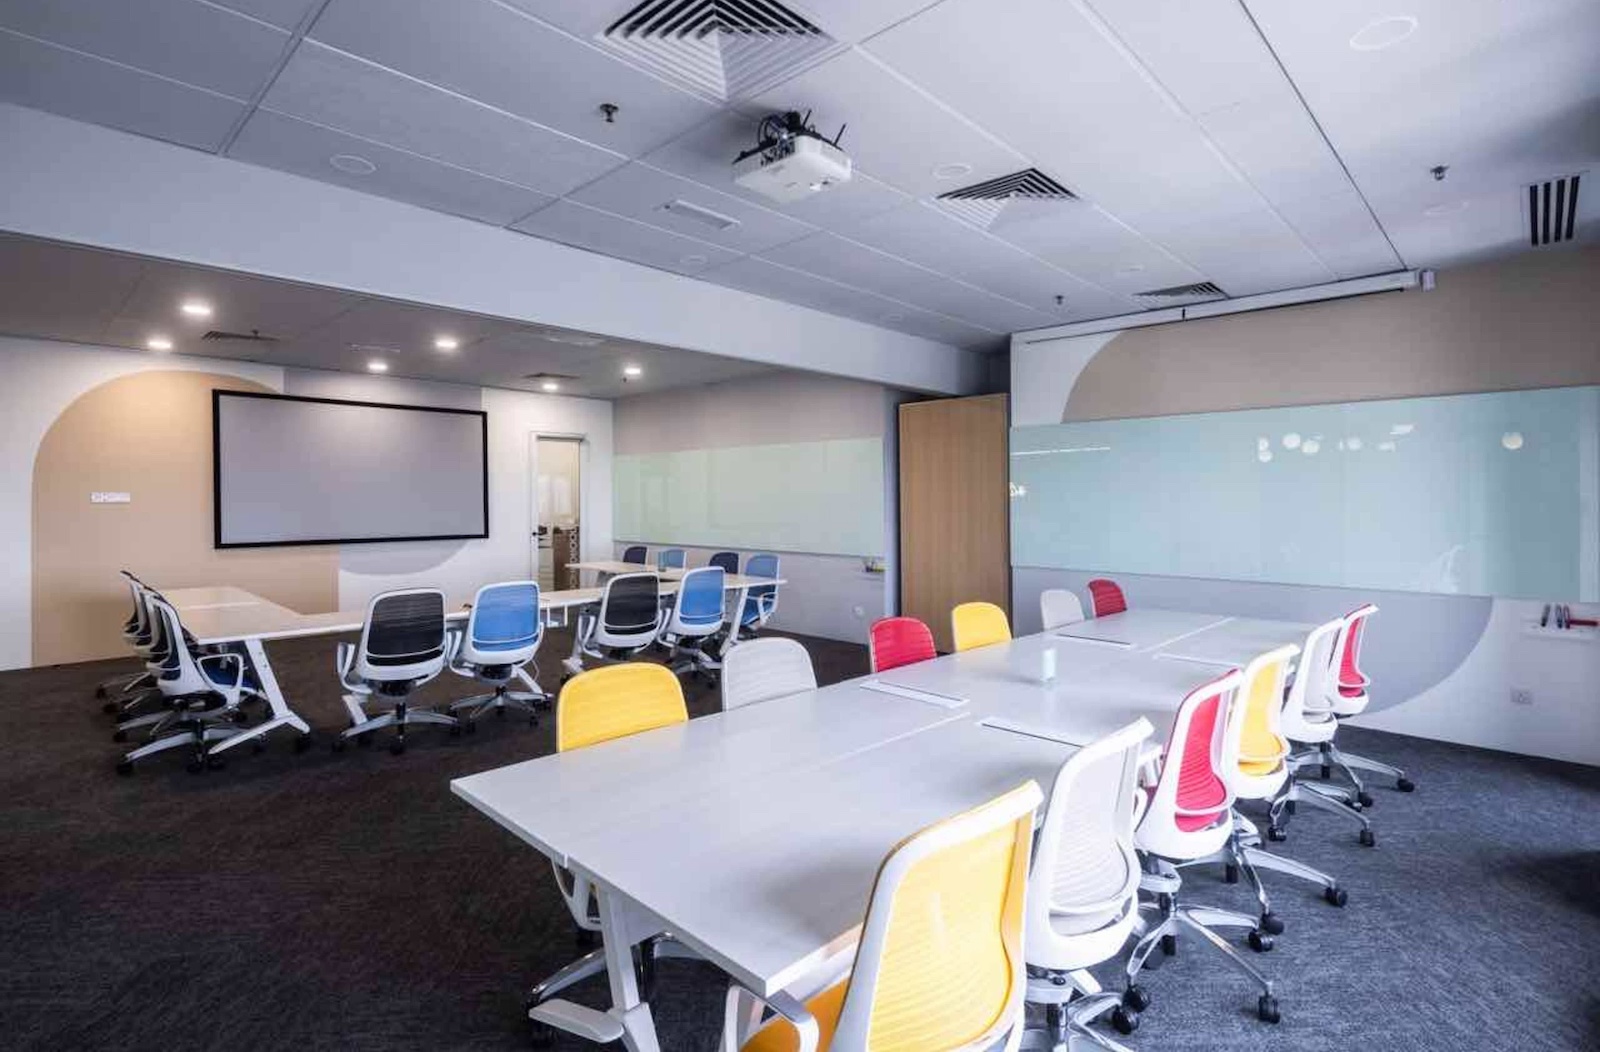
{"type": "Point", "coordinates": [1235, 641]}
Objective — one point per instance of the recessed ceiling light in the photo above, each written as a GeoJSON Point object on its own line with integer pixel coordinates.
{"type": "Point", "coordinates": [693, 259]}
{"type": "Point", "coordinates": [1448, 208]}
{"type": "Point", "coordinates": [550, 385]}
{"type": "Point", "coordinates": [1383, 32]}
{"type": "Point", "coordinates": [445, 343]}
{"type": "Point", "coordinates": [158, 343]}
{"type": "Point", "coordinates": [952, 170]}
{"type": "Point", "coordinates": [377, 365]}
{"type": "Point", "coordinates": [351, 164]}
{"type": "Point", "coordinates": [196, 308]}
{"type": "Point", "coordinates": [632, 370]}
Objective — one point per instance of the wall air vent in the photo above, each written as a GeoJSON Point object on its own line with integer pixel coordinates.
{"type": "Point", "coordinates": [721, 49]}
{"type": "Point", "coordinates": [1178, 295]}
{"type": "Point", "coordinates": [253, 336]}
{"type": "Point", "coordinates": [982, 203]}
{"type": "Point", "coordinates": [1553, 211]}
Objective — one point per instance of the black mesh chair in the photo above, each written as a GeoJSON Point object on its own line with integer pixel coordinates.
{"type": "Point", "coordinates": [635, 553]}
{"type": "Point", "coordinates": [402, 647]}
{"type": "Point", "coordinates": [729, 561]}
{"type": "Point", "coordinates": [624, 623]}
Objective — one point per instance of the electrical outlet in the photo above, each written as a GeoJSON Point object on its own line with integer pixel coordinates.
{"type": "Point", "coordinates": [1521, 696]}
{"type": "Point", "coordinates": [860, 612]}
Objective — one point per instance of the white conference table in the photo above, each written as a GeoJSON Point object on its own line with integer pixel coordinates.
{"type": "Point", "coordinates": [754, 835]}
{"type": "Point", "coordinates": [612, 567]}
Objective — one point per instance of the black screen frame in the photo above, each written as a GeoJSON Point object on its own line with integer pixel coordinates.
{"type": "Point", "coordinates": [218, 393]}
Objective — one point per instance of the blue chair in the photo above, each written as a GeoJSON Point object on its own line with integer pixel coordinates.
{"type": "Point", "coordinates": [696, 619]}
{"type": "Point", "coordinates": [760, 601]}
{"type": "Point", "coordinates": [498, 643]}
{"type": "Point", "coordinates": [670, 559]}
{"type": "Point", "coordinates": [635, 553]}
{"type": "Point", "coordinates": [729, 561]}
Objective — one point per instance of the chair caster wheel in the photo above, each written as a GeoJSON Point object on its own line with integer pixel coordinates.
{"type": "Point", "coordinates": [364, 739]}
{"type": "Point", "coordinates": [339, 743]}
{"type": "Point", "coordinates": [1290, 805]}
{"type": "Point", "coordinates": [302, 743]}
{"type": "Point", "coordinates": [215, 763]}
{"type": "Point", "coordinates": [109, 708]}
{"type": "Point", "coordinates": [1271, 923]}
{"type": "Point", "coordinates": [1126, 1022]}
{"type": "Point", "coordinates": [1136, 999]}
{"type": "Point", "coordinates": [1169, 945]}
{"type": "Point", "coordinates": [1259, 941]}
{"type": "Point", "coordinates": [1327, 772]}
{"type": "Point", "coordinates": [1336, 896]}
{"type": "Point", "coordinates": [397, 747]}
{"type": "Point", "coordinates": [119, 736]}
{"type": "Point", "coordinates": [1368, 838]}
{"type": "Point", "coordinates": [125, 767]}
{"type": "Point", "coordinates": [1230, 874]}
{"type": "Point", "coordinates": [1267, 1009]}
{"type": "Point", "coordinates": [258, 746]}
{"type": "Point", "coordinates": [455, 730]}
{"type": "Point", "coordinates": [1364, 798]}
{"type": "Point", "coordinates": [533, 719]}
{"type": "Point", "coordinates": [586, 939]}
{"type": "Point", "coordinates": [1405, 785]}
{"type": "Point", "coordinates": [500, 711]}
{"type": "Point", "coordinates": [1277, 834]}
{"type": "Point", "coordinates": [195, 766]}
{"type": "Point", "coordinates": [471, 727]}
{"type": "Point", "coordinates": [541, 1035]}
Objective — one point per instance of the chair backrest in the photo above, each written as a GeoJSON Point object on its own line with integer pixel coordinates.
{"type": "Point", "coordinates": [403, 637]}
{"type": "Point", "coordinates": [1262, 747]}
{"type": "Point", "coordinates": [635, 553]}
{"type": "Point", "coordinates": [1107, 597]}
{"type": "Point", "coordinates": [1059, 607]}
{"type": "Point", "coordinates": [698, 608]}
{"type": "Point", "coordinates": [939, 964]}
{"type": "Point", "coordinates": [761, 600]}
{"type": "Point", "coordinates": [763, 669]}
{"type": "Point", "coordinates": [1313, 678]}
{"type": "Point", "coordinates": [504, 627]}
{"type": "Point", "coordinates": [670, 559]}
{"type": "Point", "coordinates": [1189, 808]}
{"type": "Point", "coordinates": [729, 561]}
{"type": "Point", "coordinates": [615, 701]}
{"type": "Point", "coordinates": [179, 674]}
{"type": "Point", "coordinates": [1085, 872]}
{"type": "Point", "coordinates": [1352, 682]}
{"type": "Point", "coordinates": [140, 629]}
{"type": "Point", "coordinates": [978, 625]}
{"type": "Point", "coordinates": [630, 610]}
{"type": "Point", "coordinates": [896, 641]}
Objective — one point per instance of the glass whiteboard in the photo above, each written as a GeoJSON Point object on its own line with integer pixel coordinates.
{"type": "Point", "coordinates": [1485, 494]}
{"type": "Point", "coordinates": [821, 497]}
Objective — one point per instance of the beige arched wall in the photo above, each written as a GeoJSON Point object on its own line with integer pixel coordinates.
{"type": "Point", "coordinates": [148, 434]}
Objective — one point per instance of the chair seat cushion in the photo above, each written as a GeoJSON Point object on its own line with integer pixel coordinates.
{"type": "Point", "coordinates": [1259, 768]}
{"type": "Point", "coordinates": [1200, 790]}
{"type": "Point", "coordinates": [222, 675]}
{"type": "Point", "coordinates": [779, 1035]}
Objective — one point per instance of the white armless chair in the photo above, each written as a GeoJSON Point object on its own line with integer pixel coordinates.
{"type": "Point", "coordinates": [496, 647]}
{"type": "Point", "coordinates": [624, 623]}
{"type": "Point", "coordinates": [763, 669]}
{"type": "Point", "coordinates": [1059, 607]}
{"type": "Point", "coordinates": [1347, 696]}
{"type": "Point", "coordinates": [1308, 721]}
{"type": "Point", "coordinates": [402, 647]}
{"type": "Point", "coordinates": [126, 691]}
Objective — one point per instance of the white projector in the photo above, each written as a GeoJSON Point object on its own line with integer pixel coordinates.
{"type": "Point", "coordinates": [793, 169]}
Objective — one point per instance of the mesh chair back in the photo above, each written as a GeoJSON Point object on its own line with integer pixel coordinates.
{"type": "Point", "coordinates": [504, 627]}
{"type": "Point", "coordinates": [670, 559]}
{"type": "Point", "coordinates": [635, 553]}
{"type": "Point", "coordinates": [763, 669]}
{"type": "Point", "coordinates": [762, 599]}
{"type": "Point", "coordinates": [629, 609]}
{"type": "Point", "coordinates": [403, 638]}
{"type": "Point", "coordinates": [699, 602]}
{"type": "Point", "coordinates": [1107, 596]}
{"type": "Point", "coordinates": [896, 641]}
{"type": "Point", "coordinates": [729, 561]}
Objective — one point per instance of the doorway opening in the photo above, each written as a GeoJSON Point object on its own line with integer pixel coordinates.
{"type": "Point", "coordinates": [558, 510]}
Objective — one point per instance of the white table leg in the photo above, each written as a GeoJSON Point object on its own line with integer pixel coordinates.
{"type": "Point", "coordinates": [733, 629]}
{"type": "Point", "coordinates": [638, 1026]}
{"type": "Point", "coordinates": [282, 715]}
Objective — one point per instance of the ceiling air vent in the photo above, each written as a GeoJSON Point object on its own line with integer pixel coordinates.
{"type": "Point", "coordinates": [1552, 211]}
{"type": "Point", "coordinates": [549, 376]}
{"type": "Point", "coordinates": [721, 49]}
{"type": "Point", "coordinates": [699, 214]}
{"type": "Point", "coordinates": [253, 336]}
{"type": "Point", "coordinates": [982, 203]}
{"type": "Point", "coordinates": [1178, 295]}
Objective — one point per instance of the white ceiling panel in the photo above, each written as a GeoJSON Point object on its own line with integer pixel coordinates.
{"type": "Point", "coordinates": [705, 154]}
{"type": "Point", "coordinates": [896, 132]}
{"type": "Point", "coordinates": [1274, 143]}
{"type": "Point", "coordinates": [86, 88]}
{"type": "Point", "coordinates": [1342, 232]}
{"type": "Point", "coordinates": [329, 87]}
{"type": "Point", "coordinates": [508, 359]}
{"type": "Point", "coordinates": [185, 40]}
{"type": "Point", "coordinates": [277, 141]}
{"type": "Point", "coordinates": [641, 192]}
{"type": "Point", "coordinates": [856, 20]}
{"type": "Point", "coordinates": [239, 303]}
{"type": "Point", "coordinates": [1239, 251]}
{"type": "Point", "coordinates": [1091, 244]}
{"type": "Point", "coordinates": [613, 235]}
{"type": "Point", "coordinates": [285, 14]}
{"type": "Point", "coordinates": [497, 55]}
{"type": "Point", "coordinates": [923, 234]}
{"type": "Point", "coordinates": [60, 290]}
{"type": "Point", "coordinates": [1037, 284]}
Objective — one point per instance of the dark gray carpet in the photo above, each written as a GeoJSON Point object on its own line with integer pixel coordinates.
{"type": "Point", "coordinates": [349, 901]}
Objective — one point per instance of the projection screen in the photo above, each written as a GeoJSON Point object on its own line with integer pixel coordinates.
{"type": "Point", "coordinates": [290, 470]}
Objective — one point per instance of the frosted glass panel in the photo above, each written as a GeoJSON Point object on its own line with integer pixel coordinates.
{"type": "Point", "coordinates": [823, 497]}
{"type": "Point", "coordinates": [1492, 494]}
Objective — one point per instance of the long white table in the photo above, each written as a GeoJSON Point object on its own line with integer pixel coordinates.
{"type": "Point", "coordinates": [753, 835]}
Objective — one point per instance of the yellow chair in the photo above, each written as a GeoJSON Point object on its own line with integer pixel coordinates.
{"type": "Point", "coordinates": [939, 966]}
{"type": "Point", "coordinates": [615, 701]}
{"type": "Point", "coordinates": [978, 625]}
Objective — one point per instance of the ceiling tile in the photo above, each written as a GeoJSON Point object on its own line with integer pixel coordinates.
{"type": "Point", "coordinates": [856, 20]}
{"type": "Point", "coordinates": [1341, 231]}
{"type": "Point", "coordinates": [705, 154]}
{"type": "Point", "coordinates": [896, 132]}
{"type": "Point", "coordinates": [187, 41]}
{"type": "Point", "coordinates": [277, 141]}
{"type": "Point", "coordinates": [1091, 244]}
{"type": "Point", "coordinates": [1246, 253]}
{"type": "Point", "coordinates": [510, 358]}
{"type": "Point", "coordinates": [641, 192]}
{"type": "Point", "coordinates": [331, 88]}
{"type": "Point", "coordinates": [499, 56]}
{"type": "Point", "coordinates": [613, 235]}
{"type": "Point", "coordinates": [1276, 145]}
{"type": "Point", "coordinates": [285, 14]}
{"type": "Point", "coordinates": [89, 89]}
{"type": "Point", "coordinates": [1037, 284]}
{"type": "Point", "coordinates": [923, 234]}
{"type": "Point", "coordinates": [239, 303]}
{"type": "Point", "coordinates": [61, 291]}
{"type": "Point", "coordinates": [408, 331]}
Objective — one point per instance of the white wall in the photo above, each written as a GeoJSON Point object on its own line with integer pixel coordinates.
{"type": "Point", "coordinates": [76, 182]}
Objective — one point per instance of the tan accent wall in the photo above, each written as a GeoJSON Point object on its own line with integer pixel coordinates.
{"type": "Point", "coordinates": [955, 542]}
{"type": "Point", "coordinates": [148, 434]}
{"type": "Point", "coordinates": [1531, 321]}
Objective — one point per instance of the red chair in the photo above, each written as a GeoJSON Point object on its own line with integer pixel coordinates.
{"type": "Point", "coordinates": [896, 641]}
{"type": "Point", "coordinates": [1350, 699]}
{"type": "Point", "coordinates": [1107, 597]}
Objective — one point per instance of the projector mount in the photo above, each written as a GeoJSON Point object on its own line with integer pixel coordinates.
{"type": "Point", "coordinates": [777, 132]}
